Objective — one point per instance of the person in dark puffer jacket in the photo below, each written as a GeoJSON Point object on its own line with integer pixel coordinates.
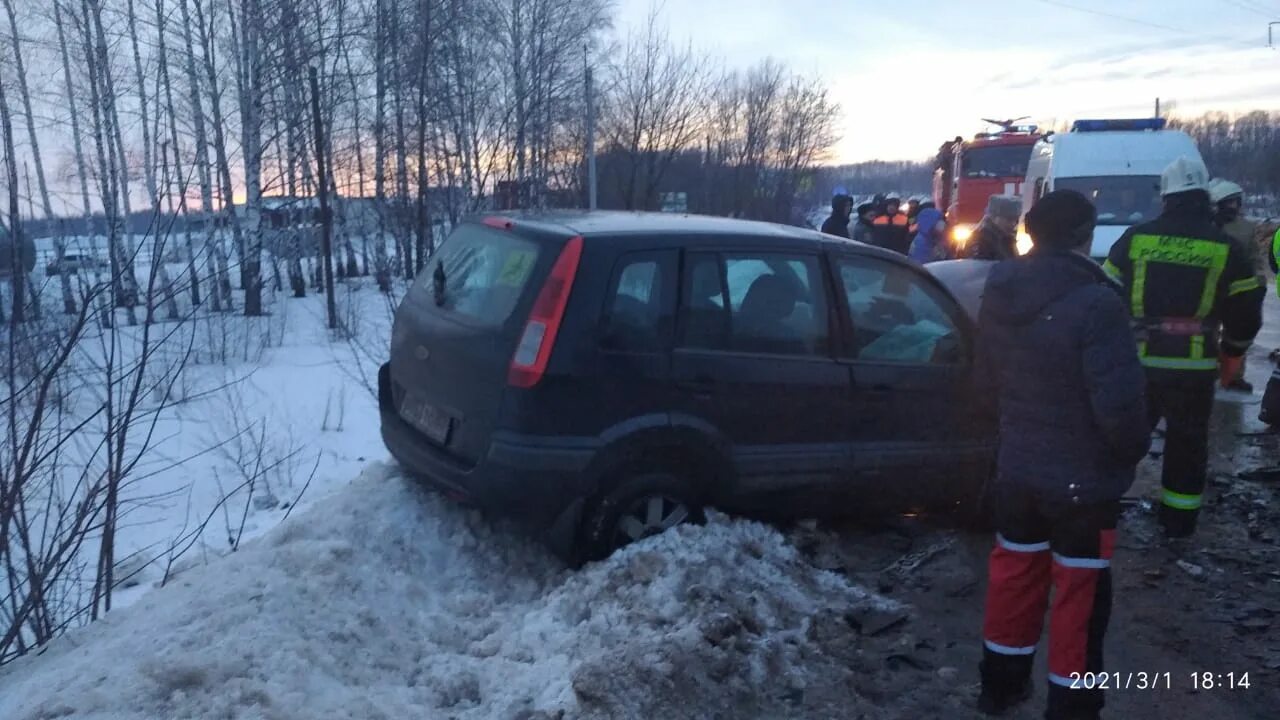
{"type": "Point", "coordinates": [1058, 354]}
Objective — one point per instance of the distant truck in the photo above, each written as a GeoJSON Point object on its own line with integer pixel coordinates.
{"type": "Point", "coordinates": [969, 172]}
{"type": "Point", "coordinates": [1114, 163]}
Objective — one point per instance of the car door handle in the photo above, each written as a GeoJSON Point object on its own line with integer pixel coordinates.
{"type": "Point", "coordinates": [702, 386]}
{"type": "Point", "coordinates": [879, 393]}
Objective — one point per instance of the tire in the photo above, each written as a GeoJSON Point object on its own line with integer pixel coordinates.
{"type": "Point", "coordinates": [640, 506]}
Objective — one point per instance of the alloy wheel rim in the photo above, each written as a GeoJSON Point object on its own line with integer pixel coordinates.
{"type": "Point", "coordinates": [649, 516]}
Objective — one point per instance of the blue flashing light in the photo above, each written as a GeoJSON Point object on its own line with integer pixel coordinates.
{"type": "Point", "coordinates": [1136, 124]}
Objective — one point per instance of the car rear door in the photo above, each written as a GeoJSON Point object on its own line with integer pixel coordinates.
{"type": "Point", "coordinates": [456, 330]}
{"type": "Point", "coordinates": [754, 366]}
{"type": "Point", "coordinates": [914, 426]}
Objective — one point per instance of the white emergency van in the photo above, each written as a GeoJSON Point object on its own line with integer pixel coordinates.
{"type": "Point", "coordinates": [1114, 163]}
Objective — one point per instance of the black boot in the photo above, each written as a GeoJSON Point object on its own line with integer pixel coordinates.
{"type": "Point", "coordinates": [1270, 413]}
{"type": "Point", "coordinates": [997, 702]}
{"type": "Point", "coordinates": [1067, 704]}
{"type": "Point", "coordinates": [1006, 682]}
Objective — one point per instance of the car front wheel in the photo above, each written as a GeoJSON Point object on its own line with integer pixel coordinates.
{"type": "Point", "coordinates": [640, 506]}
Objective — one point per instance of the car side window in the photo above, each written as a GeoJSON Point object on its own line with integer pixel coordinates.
{"type": "Point", "coordinates": [896, 316]}
{"type": "Point", "coordinates": [770, 303]}
{"type": "Point", "coordinates": [636, 318]}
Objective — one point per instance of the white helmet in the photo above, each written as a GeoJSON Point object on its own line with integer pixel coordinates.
{"type": "Point", "coordinates": [1184, 175]}
{"type": "Point", "coordinates": [1220, 190]}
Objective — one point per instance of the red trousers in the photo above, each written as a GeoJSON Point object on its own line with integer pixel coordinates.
{"type": "Point", "coordinates": [1043, 545]}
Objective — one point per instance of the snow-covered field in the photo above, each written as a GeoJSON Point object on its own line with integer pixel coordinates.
{"type": "Point", "coordinates": [276, 397]}
{"type": "Point", "coordinates": [386, 601]}
{"type": "Point", "coordinates": [241, 421]}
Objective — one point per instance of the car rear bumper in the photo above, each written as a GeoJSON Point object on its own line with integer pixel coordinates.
{"type": "Point", "coordinates": [530, 478]}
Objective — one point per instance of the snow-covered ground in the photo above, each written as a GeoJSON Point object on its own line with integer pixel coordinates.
{"type": "Point", "coordinates": [279, 397]}
{"type": "Point", "coordinates": [386, 601]}
{"type": "Point", "coordinates": [252, 417]}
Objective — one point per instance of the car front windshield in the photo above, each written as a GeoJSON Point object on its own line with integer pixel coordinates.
{"type": "Point", "coordinates": [1120, 199]}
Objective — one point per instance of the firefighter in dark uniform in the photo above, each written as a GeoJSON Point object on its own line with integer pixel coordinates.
{"type": "Point", "coordinates": [1196, 302]}
{"type": "Point", "coordinates": [1270, 412]}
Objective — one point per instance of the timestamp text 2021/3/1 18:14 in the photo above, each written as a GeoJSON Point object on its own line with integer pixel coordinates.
{"type": "Point", "coordinates": [1198, 681]}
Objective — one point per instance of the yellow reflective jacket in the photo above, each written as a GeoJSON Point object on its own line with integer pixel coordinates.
{"type": "Point", "coordinates": [1192, 290]}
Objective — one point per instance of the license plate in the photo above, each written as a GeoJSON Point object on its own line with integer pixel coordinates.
{"type": "Point", "coordinates": [431, 421]}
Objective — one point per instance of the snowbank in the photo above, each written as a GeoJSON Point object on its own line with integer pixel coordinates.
{"type": "Point", "coordinates": [385, 601]}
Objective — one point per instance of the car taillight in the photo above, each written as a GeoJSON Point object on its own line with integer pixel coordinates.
{"type": "Point", "coordinates": [529, 362]}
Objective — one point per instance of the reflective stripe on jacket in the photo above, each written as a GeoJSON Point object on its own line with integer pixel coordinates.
{"type": "Point", "coordinates": [1275, 258]}
{"type": "Point", "coordinates": [890, 232]}
{"type": "Point", "coordinates": [1184, 278]}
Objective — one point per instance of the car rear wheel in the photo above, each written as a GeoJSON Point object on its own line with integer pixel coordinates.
{"type": "Point", "coordinates": [641, 506]}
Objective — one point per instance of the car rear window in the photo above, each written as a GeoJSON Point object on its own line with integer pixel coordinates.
{"type": "Point", "coordinates": [480, 274]}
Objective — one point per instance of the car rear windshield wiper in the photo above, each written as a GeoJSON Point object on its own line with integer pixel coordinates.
{"type": "Point", "coordinates": [438, 284]}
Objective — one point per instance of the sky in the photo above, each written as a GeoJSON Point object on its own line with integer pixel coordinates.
{"type": "Point", "coordinates": [910, 75]}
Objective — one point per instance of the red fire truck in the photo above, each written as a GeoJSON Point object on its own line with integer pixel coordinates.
{"type": "Point", "coordinates": [971, 171]}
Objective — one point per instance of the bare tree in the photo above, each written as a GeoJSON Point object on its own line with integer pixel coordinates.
{"type": "Point", "coordinates": [59, 243]}
{"type": "Point", "coordinates": [17, 273]}
{"type": "Point", "coordinates": [171, 120]}
{"type": "Point", "coordinates": [381, 41]}
{"type": "Point", "coordinates": [251, 94]}
{"type": "Point", "coordinates": [202, 149]}
{"type": "Point", "coordinates": [205, 29]}
{"type": "Point", "coordinates": [108, 172]}
{"type": "Point", "coordinates": [657, 111]}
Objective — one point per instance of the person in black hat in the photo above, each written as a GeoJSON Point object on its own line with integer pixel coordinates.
{"type": "Point", "coordinates": [863, 227]}
{"type": "Point", "coordinates": [841, 209]}
{"type": "Point", "coordinates": [1059, 357]}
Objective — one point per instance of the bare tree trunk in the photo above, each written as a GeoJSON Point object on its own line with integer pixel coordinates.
{"type": "Point", "coordinates": [521, 101]}
{"type": "Point", "coordinates": [18, 273]}
{"type": "Point", "coordinates": [251, 97]}
{"type": "Point", "coordinates": [171, 301]}
{"type": "Point", "coordinates": [202, 151]}
{"type": "Point", "coordinates": [148, 160]}
{"type": "Point", "coordinates": [115, 137]}
{"type": "Point", "coordinates": [59, 242]}
{"type": "Point", "coordinates": [382, 268]}
{"type": "Point", "coordinates": [205, 30]}
{"type": "Point", "coordinates": [82, 168]}
{"type": "Point", "coordinates": [403, 248]}
{"type": "Point", "coordinates": [424, 234]}
{"type": "Point", "coordinates": [123, 281]}
{"type": "Point", "coordinates": [172, 120]}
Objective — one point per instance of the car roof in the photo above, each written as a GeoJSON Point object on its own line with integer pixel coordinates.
{"type": "Point", "coordinates": [617, 225]}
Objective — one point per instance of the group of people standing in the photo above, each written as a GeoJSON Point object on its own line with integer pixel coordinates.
{"type": "Point", "coordinates": [919, 229]}
{"type": "Point", "coordinates": [883, 222]}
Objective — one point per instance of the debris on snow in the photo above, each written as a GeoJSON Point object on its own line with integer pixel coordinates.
{"type": "Point", "coordinates": [386, 601]}
{"type": "Point", "coordinates": [1191, 568]}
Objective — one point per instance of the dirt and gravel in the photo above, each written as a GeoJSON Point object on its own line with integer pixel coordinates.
{"type": "Point", "coordinates": [1210, 607]}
